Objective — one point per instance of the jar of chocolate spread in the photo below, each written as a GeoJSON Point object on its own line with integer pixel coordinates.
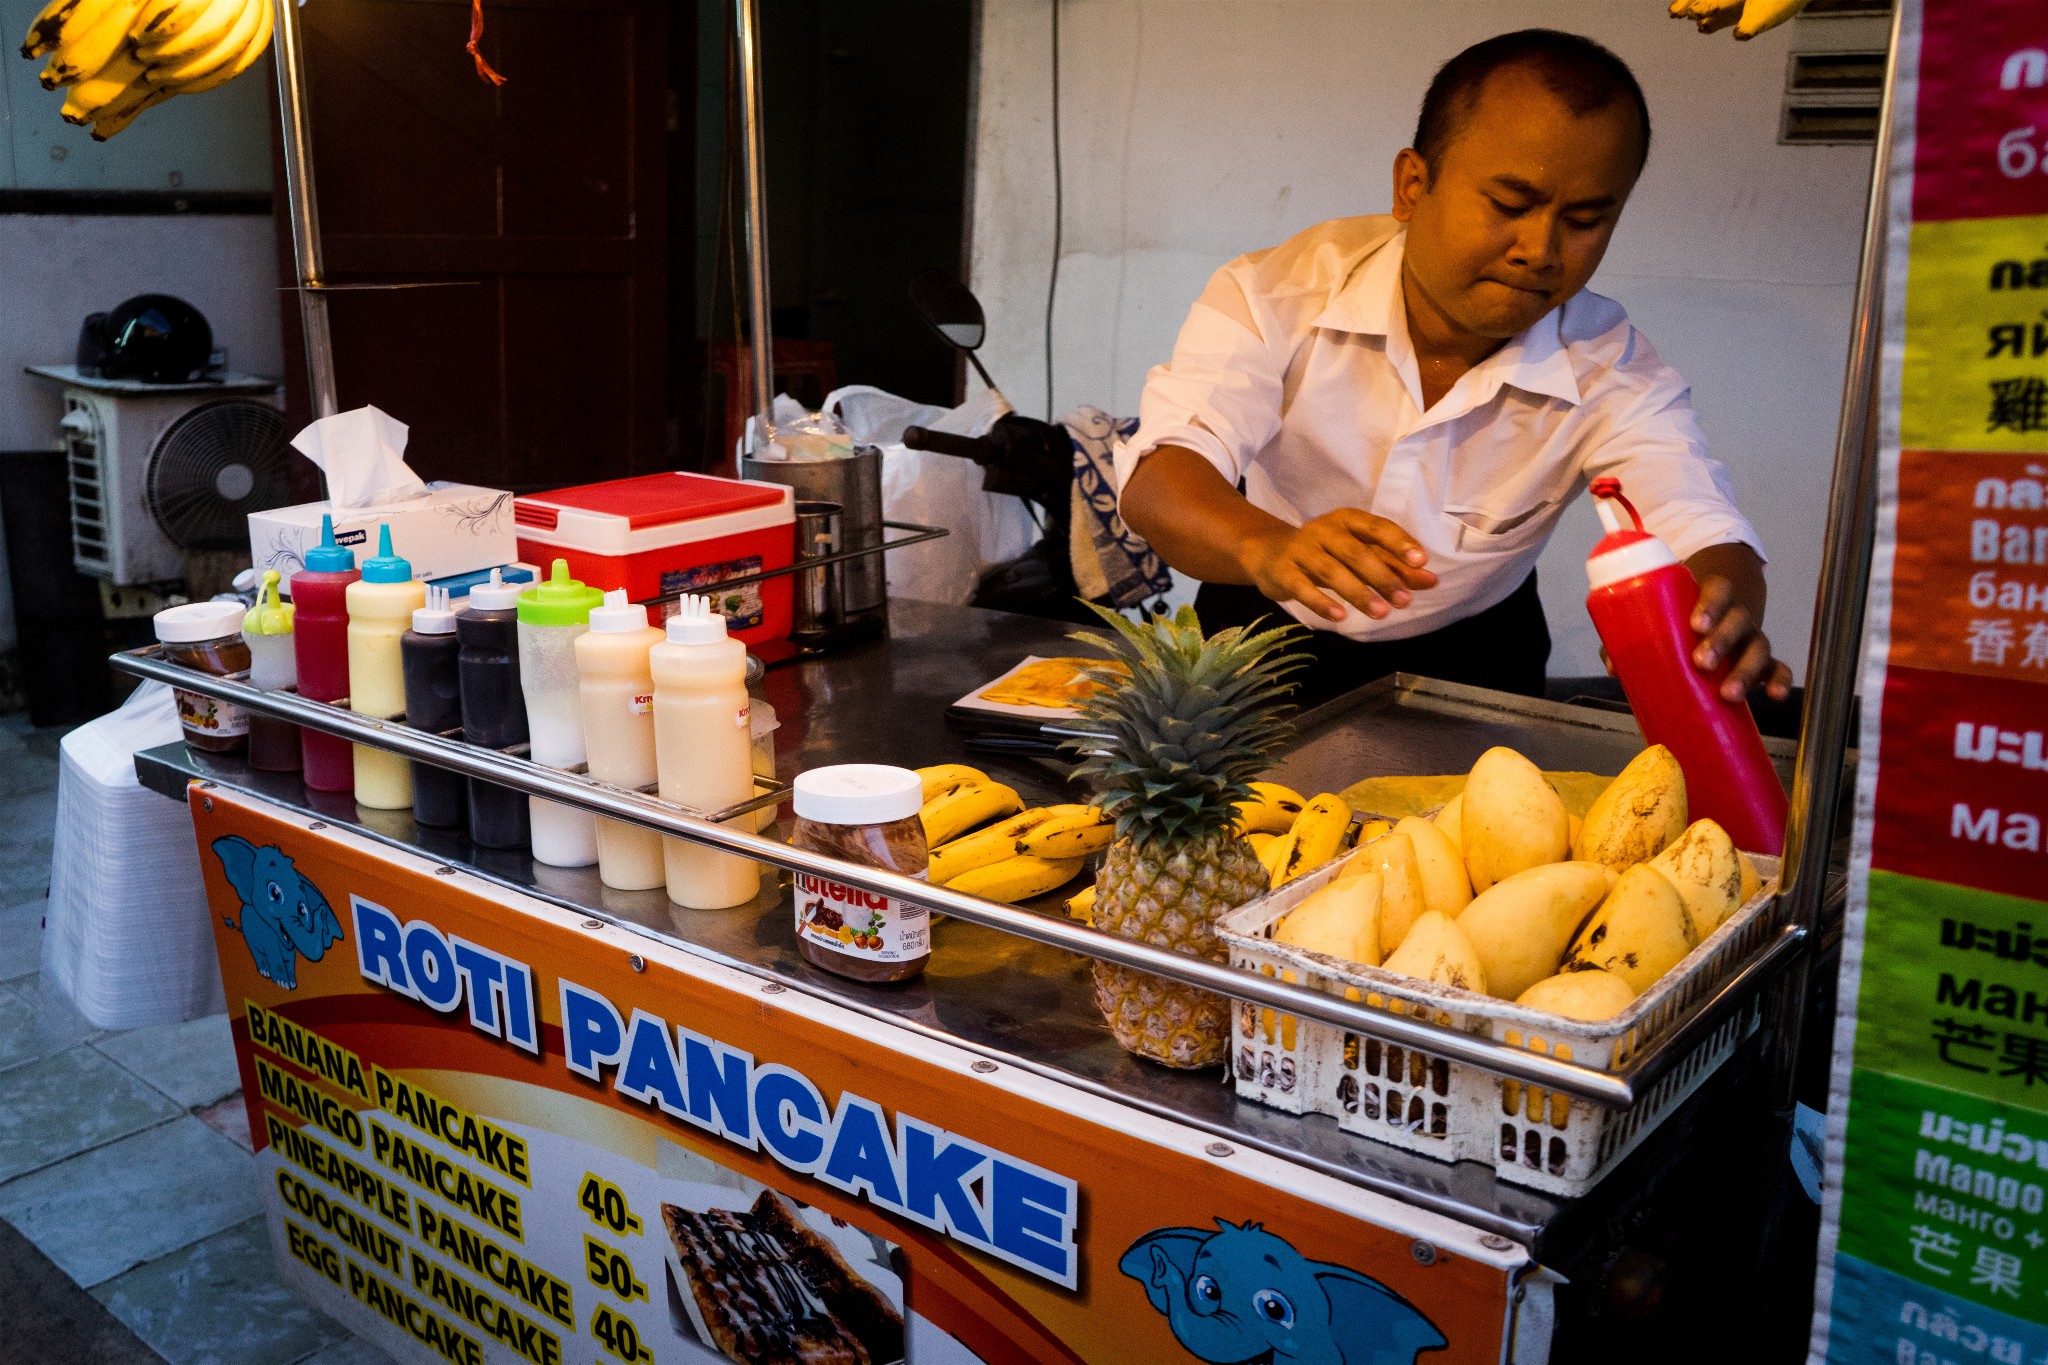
{"type": "Point", "coordinates": [862, 813]}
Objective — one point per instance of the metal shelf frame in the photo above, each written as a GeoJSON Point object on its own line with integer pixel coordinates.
{"type": "Point", "coordinates": [1615, 1089]}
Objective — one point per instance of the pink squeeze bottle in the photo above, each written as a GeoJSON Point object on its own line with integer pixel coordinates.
{"type": "Point", "coordinates": [1641, 602]}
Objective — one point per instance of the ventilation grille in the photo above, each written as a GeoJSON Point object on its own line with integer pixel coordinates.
{"type": "Point", "coordinates": [85, 443]}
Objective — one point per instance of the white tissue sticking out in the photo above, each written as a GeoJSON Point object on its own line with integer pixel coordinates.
{"type": "Point", "coordinates": [362, 453]}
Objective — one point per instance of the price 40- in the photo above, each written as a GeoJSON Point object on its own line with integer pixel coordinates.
{"type": "Point", "coordinates": [618, 1335]}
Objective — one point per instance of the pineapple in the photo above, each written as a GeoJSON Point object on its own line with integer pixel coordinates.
{"type": "Point", "coordinates": [1188, 730]}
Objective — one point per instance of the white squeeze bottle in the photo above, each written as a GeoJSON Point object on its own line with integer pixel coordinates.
{"type": "Point", "coordinates": [551, 616]}
{"type": "Point", "coordinates": [703, 750]}
{"type": "Point", "coordinates": [618, 728]}
{"type": "Point", "coordinates": [380, 608]}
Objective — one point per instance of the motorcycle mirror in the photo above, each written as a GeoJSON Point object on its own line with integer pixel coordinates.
{"type": "Point", "coordinates": [949, 308]}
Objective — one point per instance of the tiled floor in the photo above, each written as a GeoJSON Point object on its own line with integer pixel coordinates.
{"type": "Point", "coordinates": [125, 1172]}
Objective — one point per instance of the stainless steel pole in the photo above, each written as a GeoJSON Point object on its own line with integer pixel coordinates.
{"type": "Point", "coordinates": [295, 120]}
{"type": "Point", "coordinates": [758, 297]}
{"type": "Point", "coordinates": [1835, 654]}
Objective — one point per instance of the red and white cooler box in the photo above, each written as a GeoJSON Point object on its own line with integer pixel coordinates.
{"type": "Point", "coordinates": [663, 534]}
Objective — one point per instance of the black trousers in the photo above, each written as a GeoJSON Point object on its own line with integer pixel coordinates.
{"type": "Point", "coordinates": [1505, 647]}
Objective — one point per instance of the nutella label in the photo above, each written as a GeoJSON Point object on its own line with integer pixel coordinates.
{"type": "Point", "coordinates": [208, 718]}
{"type": "Point", "coordinates": [641, 704]}
{"type": "Point", "coordinates": [860, 923]}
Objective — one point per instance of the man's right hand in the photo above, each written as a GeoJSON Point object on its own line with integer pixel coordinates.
{"type": "Point", "coordinates": [1342, 557]}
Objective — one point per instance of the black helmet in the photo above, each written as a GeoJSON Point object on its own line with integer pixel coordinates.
{"type": "Point", "coordinates": [158, 339]}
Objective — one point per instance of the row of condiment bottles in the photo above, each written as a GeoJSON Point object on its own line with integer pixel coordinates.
{"type": "Point", "coordinates": [580, 677]}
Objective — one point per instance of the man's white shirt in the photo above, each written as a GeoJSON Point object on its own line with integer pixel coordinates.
{"type": "Point", "coordinates": [1294, 373]}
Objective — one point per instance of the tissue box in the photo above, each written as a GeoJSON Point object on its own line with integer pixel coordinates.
{"type": "Point", "coordinates": [457, 528]}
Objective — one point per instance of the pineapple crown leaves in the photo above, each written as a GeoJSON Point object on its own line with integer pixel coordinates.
{"type": "Point", "coordinates": [1183, 733]}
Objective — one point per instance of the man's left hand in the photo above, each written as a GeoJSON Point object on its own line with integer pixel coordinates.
{"type": "Point", "coordinates": [1732, 631]}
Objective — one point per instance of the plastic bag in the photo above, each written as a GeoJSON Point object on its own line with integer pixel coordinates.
{"type": "Point", "coordinates": [937, 490]}
{"type": "Point", "coordinates": [127, 936]}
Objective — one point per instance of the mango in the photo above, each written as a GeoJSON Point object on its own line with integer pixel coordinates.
{"type": "Point", "coordinates": [1512, 819]}
{"type": "Point", "coordinates": [1588, 995]}
{"type": "Point", "coordinates": [1451, 820]}
{"type": "Point", "coordinates": [1391, 858]}
{"type": "Point", "coordinates": [1445, 886]}
{"type": "Point", "coordinates": [1642, 811]}
{"type": "Point", "coordinates": [1342, 920]}
{"type": "Point", "coordinates": [1521, 926]}
{"type": "Point", "coordinates": [1436, 949]}
{"type": "Point", "coordinates": [1639, 933]}
{"type": "Point", "coordinates": [1705, 869]}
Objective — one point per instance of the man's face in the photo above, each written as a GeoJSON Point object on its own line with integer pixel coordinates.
{"type": "Point", "coordinates": [1524, 200]}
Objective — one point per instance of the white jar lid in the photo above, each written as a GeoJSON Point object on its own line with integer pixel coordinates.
{"type": "Point", "coordinates": [196, 621]}
{"type": "Point", "coordinates": [858, 794]}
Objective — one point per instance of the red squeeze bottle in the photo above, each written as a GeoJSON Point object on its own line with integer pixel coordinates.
{"type": "Point", "coordinates": [320, 643]}
{"type": "Point", "coordinates": [1641, 602]}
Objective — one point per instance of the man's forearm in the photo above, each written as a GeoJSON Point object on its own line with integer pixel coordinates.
{"type": "Point", "coordinates": [1192, 517]}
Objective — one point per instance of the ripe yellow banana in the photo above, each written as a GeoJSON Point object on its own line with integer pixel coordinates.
{"type": "Point", "coordinates": [991, 845]}
{"type": "Point", "coordinates": [213, 20]}
{"type": "Point", "coordinates": [251, 52]}
{"type": "Point", "coordinates": [106, 125]}
{"type": "Point", "coordinates": [159, 21]}
{"type": "Point", "coordinates": [958, 811]}
{"type": "Point", "coordinates": [1081, 905]}
{"type": "Point", "coordinates": [1275, 857]}
{"type": "Point", "coordinates": [1070, 836]}
{"type": "Point", "coordinates": [1272, 809]}
{"type": "Point", "coordinates": [168, 72]}
{"type": "Point", "coordinates": [1260, 842]}
{"type": "Point", "coordinates": [44, 28]}
{"type": "Point", "coordinates": [1371, 830]}
{"type": "Point", "coordinates": [85, 100]}
{"type": "Point", "coordinates": [1320, 834]}
{"type": "Point", "coordinates": [1759, 16]}
{"type": "Point", "coordinates": [1016, 879]}
{"type": "Point", "coordinates": [944, 777]}
{"type": "Point", "coordinates": [86, 55]}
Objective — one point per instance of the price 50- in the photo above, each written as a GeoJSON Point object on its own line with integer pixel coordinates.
{"type": "Point", "coordinates": [2018, 157]}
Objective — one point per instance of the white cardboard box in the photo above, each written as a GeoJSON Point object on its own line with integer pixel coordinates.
{"type": "Point", "coordinates": [456, 528]}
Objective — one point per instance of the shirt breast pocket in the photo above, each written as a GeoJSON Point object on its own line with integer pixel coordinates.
{"type": "Point", "coordinates": [1487, 530]}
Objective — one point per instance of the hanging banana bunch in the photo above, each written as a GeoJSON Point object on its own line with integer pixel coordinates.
{"type": "Point", "coordinates": [116, 58]}
{"type": "Point", "coordinates": [1747, 17]}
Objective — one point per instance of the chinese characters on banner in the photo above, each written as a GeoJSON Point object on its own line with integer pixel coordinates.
{"type": "Point", "coordinates": [1935, 1247]}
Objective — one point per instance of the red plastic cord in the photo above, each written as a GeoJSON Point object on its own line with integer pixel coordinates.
{"type": "Point", "coordinates": [476, 35]}
{"type": "Point", "coordinates": [1607, 486]}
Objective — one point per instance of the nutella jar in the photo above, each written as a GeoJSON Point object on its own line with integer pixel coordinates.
{"type": "Point", "coordinates": [207, 638]}
{"type": "Point", "coordinates": [864, 813]}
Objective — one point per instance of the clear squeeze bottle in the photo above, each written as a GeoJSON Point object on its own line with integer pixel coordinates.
{"type": "Point", "coordinates": [433, 702]}
{"type": "Point", "coordinates": [380, 607]}
{"type": "Point", "coordinates": [618, 728]}
{"type": "Point", "coordinates": [320, 645]}
{"type": "Point", "coordinates": [493, 706]}
{"type": "Point", "coordinates": [703, 750]}
{"type": "Point", "coordinates": [1641, 602]}
{"type": "Point", "coordinates": [267, 629]}
{"type": "Point", "coordinates": [551, 616]}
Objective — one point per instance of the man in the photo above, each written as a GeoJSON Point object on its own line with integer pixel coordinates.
{"type": "Point", "coordinates": [1378, 423]}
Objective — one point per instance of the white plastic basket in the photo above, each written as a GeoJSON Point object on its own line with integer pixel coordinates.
{"type": "Point", "coordinates": [1455, 1112]}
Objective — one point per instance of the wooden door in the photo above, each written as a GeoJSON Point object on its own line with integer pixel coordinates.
{"type": "Point", "coordinates": [548, 195]}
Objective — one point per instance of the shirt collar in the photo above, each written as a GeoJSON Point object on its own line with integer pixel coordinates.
{"type": "Point", "coordinates": [1369, 303]}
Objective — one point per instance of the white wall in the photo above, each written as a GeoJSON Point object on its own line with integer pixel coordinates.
{"type": "Point", "coordinates": [1194, 130]}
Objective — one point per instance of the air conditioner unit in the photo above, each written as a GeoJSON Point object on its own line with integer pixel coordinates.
{"type": "Point", "coordinates": [159, 469]}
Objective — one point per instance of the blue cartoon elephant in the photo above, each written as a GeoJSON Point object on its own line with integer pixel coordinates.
{"type": "Point", "coordinates": [1241, 1295]}
{"type": "Point", "coordinates": [284, 916]}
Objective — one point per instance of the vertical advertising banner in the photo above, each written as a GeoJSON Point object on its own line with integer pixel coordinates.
{"type": "Point", "coordinates": [492, 1132]}
{"type": "Point", "coordinates": [1935, 1246]}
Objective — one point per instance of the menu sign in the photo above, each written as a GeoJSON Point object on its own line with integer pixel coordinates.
{"type": "Point", "coordinates": [1935, 1245]}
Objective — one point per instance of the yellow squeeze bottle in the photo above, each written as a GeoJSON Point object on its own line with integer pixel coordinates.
{"type": "Point", "coordinates": [380, 608]}
{"type": "Point", "coordinates": [617, 690]}
{"type": "Point", "coordinates": [703, 750]}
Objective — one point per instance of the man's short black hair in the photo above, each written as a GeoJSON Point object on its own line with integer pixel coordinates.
{"type": "Point", "coordinates": [1585, 75]}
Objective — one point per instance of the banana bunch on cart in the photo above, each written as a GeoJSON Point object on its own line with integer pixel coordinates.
{"type": "Point", "coordinates": [116, 58]}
